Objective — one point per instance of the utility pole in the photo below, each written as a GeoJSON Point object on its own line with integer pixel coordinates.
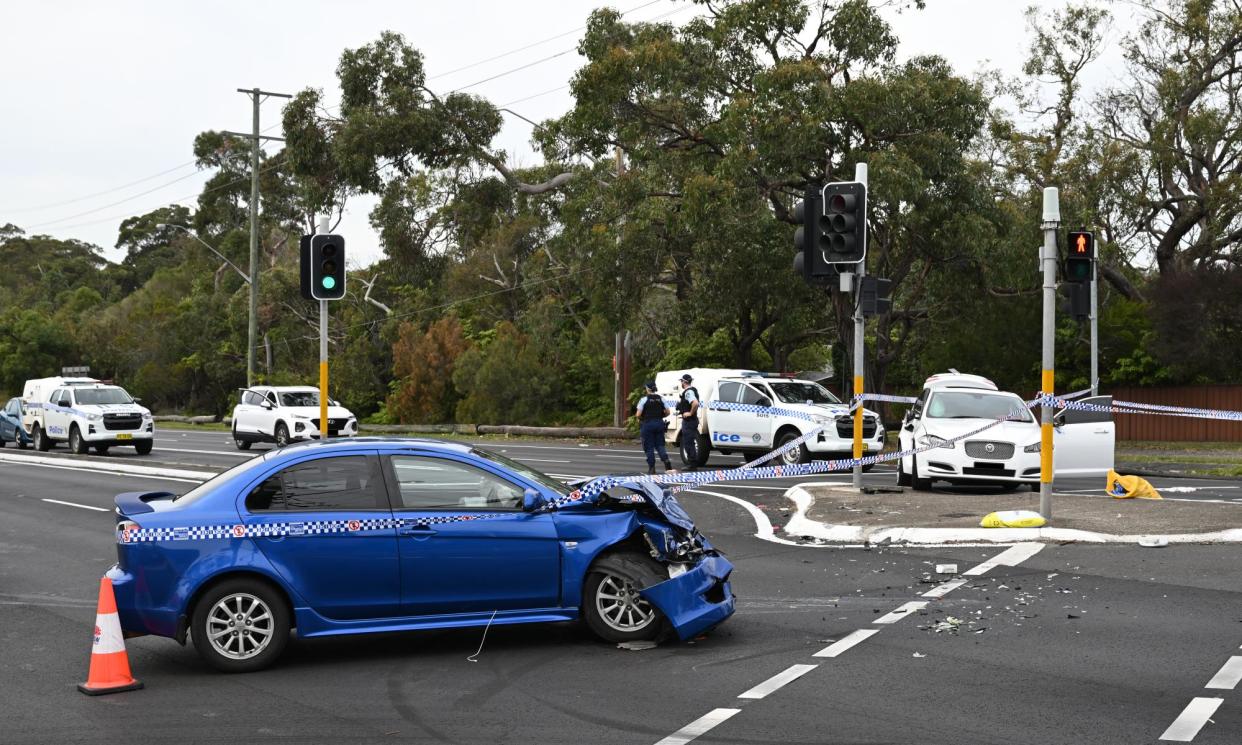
{"type": "Point", "coordinates": [860, 325]}
{"type": "Point", "coordinates": [1048, 260]}
{"type": "Point", "coordinates": [257, 97]}
{"type": "Point", "coordinates": [1095, 332]}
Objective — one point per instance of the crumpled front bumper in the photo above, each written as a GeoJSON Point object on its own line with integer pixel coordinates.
{"type": "Point", "coordinates": [697, 600]}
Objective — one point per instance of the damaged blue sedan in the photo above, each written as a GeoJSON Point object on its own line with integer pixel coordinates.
{"type": "Point", "coordinates": [391, 534]}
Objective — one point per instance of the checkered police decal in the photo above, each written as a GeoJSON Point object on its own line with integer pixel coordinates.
{"type": "Point", "coordinates": [290, 528]}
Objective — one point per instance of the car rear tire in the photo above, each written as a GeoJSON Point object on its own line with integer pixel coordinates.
{"type": "Point", "coordinates": [920, 484]}
{"type": "Point", "coordinates": [282, 435]}
{"type": "Point", "coordinates": [3, 442]}
{"type": "Point", "coordinates": [610, 602]}
{"type": "Point", "coordinates": [40, 439]}
{"type": "Point", "coordinates": [240, 443]}
{"type": "Point", "coordinates": [240, 625]}
{"type": "Point", "coordinates": [794, 456]}
{"type": "Point", "coordinates": [1008, 486]}
{"type": "Point", "coordinates": [102, 449]}
{"type": "Point", "coordinates": [76, 444]}
{"type": "Point", "coordinates": [704, 450]}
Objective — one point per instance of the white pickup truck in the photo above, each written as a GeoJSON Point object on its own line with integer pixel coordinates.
{"type": "Point", "coordinates": [87, 414]}
{"type": "Point", "coordinates": [753, 434]}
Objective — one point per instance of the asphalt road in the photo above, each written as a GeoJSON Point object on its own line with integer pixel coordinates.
{"type": "Point", "coordinates": [1073, 644]}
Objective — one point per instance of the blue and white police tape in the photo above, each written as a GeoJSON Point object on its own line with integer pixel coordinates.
{"type": "Point", "coordinates": [1131, 407]}
{"type": "Point", "coordinates": [698, 478]}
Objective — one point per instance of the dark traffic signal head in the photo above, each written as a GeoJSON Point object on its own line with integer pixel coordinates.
{"type": "Point", "coordinates": [1080, 257]}
{"type": "Point", "coordinates": [845, 222]}
{"type": "Point", "coordinates": [811, 240]}
{"type": "Point", "coordinates": [327, 267]}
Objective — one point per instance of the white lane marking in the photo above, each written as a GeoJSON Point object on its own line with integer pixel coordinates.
{"type": "Point", "coordinates": [1192, 719]}
{"type": "Point", "coordinates": [105, 467]}
{"type": "Point", "coordinates": [778, 681]}
{"type": "Point", "coordinates": [542, 460]}
{"type": "Point", "coordinates": [118, 475]}
{"type": "Point", "coordinates": [763, 528]}
{"type": "Point", "coordinates": [901, 612]}
{"type": "Point", "coordinates": [235, 454]}
{"type": "Point", "coordinates": [940, 591]}
{"type": "Point", "coordinates": [1226, 679]}
{"type": "Point", "coordinates": [75, 504]}
{"type": "Point", "coordinates": [1010, 557]}
{"type": "Point", "coordinates": [840, 647]}
{"type": "Point", "coordinates": [698, 727]}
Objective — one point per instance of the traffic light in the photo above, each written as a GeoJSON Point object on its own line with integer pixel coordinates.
{"type": "Point", "coordinates": [323, 267]}
{"type": "Point", "coordinates": [875, 296]}
{"type": "Point", "coordinates": [1080, 259]}
{"type": "Point", "coordinates": [810, 240]}
{"type": "Point", "coordinates": [1078, 300]}
{"type": "Point", "coordinates": [845, 222]}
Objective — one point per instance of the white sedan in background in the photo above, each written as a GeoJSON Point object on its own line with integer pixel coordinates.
{"type": "Point", "coordinates": [285, 414]}
{"type": "Point", "coordinates": [1006, 455]}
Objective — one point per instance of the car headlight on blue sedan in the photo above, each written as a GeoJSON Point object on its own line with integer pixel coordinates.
{"type": "Point", "coordinates": [932, 441]}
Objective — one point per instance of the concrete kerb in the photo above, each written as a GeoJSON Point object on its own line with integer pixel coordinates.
{"type": "Point", "coordinates": [800, 525]}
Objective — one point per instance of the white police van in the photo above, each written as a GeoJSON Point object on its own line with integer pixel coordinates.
{"type": "Point", "coordinates": [753, 434]}
{"type": "Point", "coordinates": [85, 413]}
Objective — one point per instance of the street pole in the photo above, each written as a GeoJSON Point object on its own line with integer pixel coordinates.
{"type": "Point", "coordinates": [323, 353]}
{"type": "Point", "coordinates": [252, 330]}
{"type": "Point", "coordinates": [860, 175]}
{"type": "Point", "coordinates": [1095, 332]}
{"type": "Point", "coordinates": [1051, 222]}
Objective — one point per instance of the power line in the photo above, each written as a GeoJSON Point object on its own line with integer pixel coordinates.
{"type": "Point", "coordinates": [62, 203]}
{"type": "Point", "coordinates": [113, 204]}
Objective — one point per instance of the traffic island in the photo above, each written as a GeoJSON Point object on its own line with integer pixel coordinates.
{"type": "Point", "coordinates": [832, 514]}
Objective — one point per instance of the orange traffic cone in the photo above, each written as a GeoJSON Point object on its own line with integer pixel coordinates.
{"type": "Point", "coordinates": [109, 671]}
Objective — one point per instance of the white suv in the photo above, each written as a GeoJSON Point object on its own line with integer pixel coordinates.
{"type": "Point", "coordinates": [286, 414]}
{"type": "Point", "coordinates": [1006, 455]}
{"type": "Point", "coordinates": [89, 415]}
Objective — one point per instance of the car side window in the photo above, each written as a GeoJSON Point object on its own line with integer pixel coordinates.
{"type": "Point", "coordinates": [750, 395]}
{"type": "Point", "coordinates": [727, 392]}
{"type": "Point", "coordinates": [917, 409]}
{"type": "Point", "coordinates": [271, 397]}
{"type": "Point", "coordinates": [349, 482]}
{"type": "Point", "coordinates": [426, 483]}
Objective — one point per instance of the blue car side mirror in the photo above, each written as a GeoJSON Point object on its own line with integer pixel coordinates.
{"type": "Point", "coordinates": [531, 500]}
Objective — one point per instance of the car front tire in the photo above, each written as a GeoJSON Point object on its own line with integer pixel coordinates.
{"type": "Point", "coordinates": [102, 449]}
{"type": "Point", "coordinates": [144, 446]}
{"type": "Point", "coordinates": [920, 484]}
{"type": "Point", "coordinates": [794, 456]}
{"type": "Point", "coordinates": [282, 435]}
{"type": "Point", "coordinates": [240, 625]}
{"type": "Point", "coordinates": [76, 444]}
{"type": "Point", "coordinates": [40, 439]}
{"type": "Point", "coordinates": [611, 605]}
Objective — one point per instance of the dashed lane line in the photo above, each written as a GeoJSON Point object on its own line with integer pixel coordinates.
{"type": "Point", "coordinates": [778, 681]}
{"type": "Point", "coordinates": [698, 727]}
{"type": "Point", "coordinates": [1191, 720]}
{"type": "Point", "coordinates": [901, 612]}
{"type": "Point", "coordinates": [1226, 679]}
{"type": "Point", "coordinates": [107, 473]}
{"type": "Point", "coordinates": [842, 646]}
{"type": "Point", "coordinates": [943, 589]}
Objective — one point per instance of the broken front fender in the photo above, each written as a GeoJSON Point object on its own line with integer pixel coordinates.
{"type": "Point", "coordinates": [697, 600]}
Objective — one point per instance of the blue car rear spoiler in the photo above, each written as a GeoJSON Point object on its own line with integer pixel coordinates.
{"type": "Point", "coordinates": [135, 502]}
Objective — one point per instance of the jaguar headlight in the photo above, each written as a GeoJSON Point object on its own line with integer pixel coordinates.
{"type": "Point", "coordinates": [932, 441]}
{"type": "Point", "coordinates": [1034, 447]}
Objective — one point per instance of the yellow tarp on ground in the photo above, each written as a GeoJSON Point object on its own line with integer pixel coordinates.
{"type": "Point", "coordinates": [1013, 519]}
{"type": "Point", "coordinates": [1130, 487]}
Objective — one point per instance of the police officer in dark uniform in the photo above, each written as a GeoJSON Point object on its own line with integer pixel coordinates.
{"type": "Point", "coordinates": [651, 412]}
{"type": "Point", "coordinates": [688, 410]}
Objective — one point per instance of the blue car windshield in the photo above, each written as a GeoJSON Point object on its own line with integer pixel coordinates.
{"type": "Point", "coordinates": [211, 484]}
{"type": "Point", "coordinates": [560, 487]}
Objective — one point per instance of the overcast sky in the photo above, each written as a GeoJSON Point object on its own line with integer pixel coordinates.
{"type": "Point", "coordinates": [99, 95]}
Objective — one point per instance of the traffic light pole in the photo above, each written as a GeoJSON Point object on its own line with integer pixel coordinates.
{"type": "Point", "coordinates": [860, 175]}
{"type": "Point", "coordinates": [1048, 260]}
{"type": "Point", "coordinates": [1095, 333]}
{"type": "Point", "coordinates": [323, 354]}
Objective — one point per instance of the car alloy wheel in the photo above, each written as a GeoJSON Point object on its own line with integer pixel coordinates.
{"type": "Point", "coordinates": [282, 435]}
{"type": "Point", "coordinates": [240, 626]}
{"type": "Point", "coordinates": [75, 441]}
{"type": "Point", "coordinates": [621, 607]}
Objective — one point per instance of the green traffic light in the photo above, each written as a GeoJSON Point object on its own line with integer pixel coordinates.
{"type": "Point", "coordinates": [329, 283]}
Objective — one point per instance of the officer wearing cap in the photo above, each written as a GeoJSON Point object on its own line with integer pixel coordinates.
{"type": "Point", "coordinates": [688, 410]}
{"type": "Point", "coordinates": [651, 413]}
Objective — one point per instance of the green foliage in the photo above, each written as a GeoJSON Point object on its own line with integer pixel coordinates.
{"type": "Point", "coordinates": [506, 381]}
